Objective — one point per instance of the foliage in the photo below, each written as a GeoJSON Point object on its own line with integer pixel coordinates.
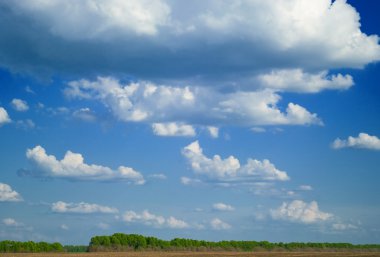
{"type": "Point", "coordinates": [125, 242]}
{"type": "Point", "coordinates": [8, 246]}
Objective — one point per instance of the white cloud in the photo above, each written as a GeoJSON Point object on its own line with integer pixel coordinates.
{"type": "Point", "coordinates": [64, 227]}
{"type": "Point", "coordinates": [190, 181]}
{"type": "Point", "coordinates": [73, 167]}
{"type": "Point", "coordinates": [150, 219]}
{"type": "Point", "coordinates": [20, 105]}
{"type": "Point", "coordinates": [4, 117]}
{"type": "Point", "coordinates": [243, 36]}
{"type": "Point", "coordinates": [213, 131]}
{"type": "Point", "coordinates": [362, 141]}
{"type": "Point", "coordinates": [305, 187]}
{"type": "Point", "coordinates": [7, 194]}
{"type": "Point", "coordinates": [296, 80]}
{"type": "Point", "coordinates": [218, 224]}
{"type": "Point", "coordinates": [173, 129]}
{"type": "Point", "coordinates": [222, 207]}
{"type": "Point", "coordinates": [299, 211]}
{"type": "Point", "coordinates": [98, 19]}
{"type": "Point", "coordinates": [258, 129]}
{"type": "Point", "coordinates": [229, 170]}
{"type": "Point", "coordinates": [342, 226]}
{"type": "Point", "coordinates": [25, 124]}
{"type": "Point", "coordinates": [147, 102]}
{"type": "Point", "coordinates": [82, 207]}
{"type": "Point", "coordinates": [85, 114]}
{"type": "Point", "coordinates": [9, 222]}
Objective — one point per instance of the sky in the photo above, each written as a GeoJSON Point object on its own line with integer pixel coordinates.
{"type": "Point", "coordinates": [213, 120]}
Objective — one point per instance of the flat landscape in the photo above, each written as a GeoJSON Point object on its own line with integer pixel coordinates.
{"type": "Point", "coordinates": [198, 254]}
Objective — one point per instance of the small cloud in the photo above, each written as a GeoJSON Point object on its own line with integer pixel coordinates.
{"type": "Point", "coordinates": [150, 219]}
{"type": "Point", "coordinates": [363, 140]}
{"type": "Point", "coordinates": [9, 222]}
{"type": "Point", "coordinates": [343, 227]}
{"type": "Point", "coordinates": [25, 124]}
{"type": "Point", "coordinates": [222, 207]}
{"type": "Point", "coordinates": [82, 207]}
{"type": "Point", "coordinates": [85, 114]}
{"type": "Point", "coordinates": [171, 129]}
{"type": "Point", "coordinates": [218, 224]}
{"type": "Point", "coordinates": [64, 227]}
{"type": "Point", "coordinates": [73, 167]}
{"type": "Point", "coordinates": [299, 211]}
{"type": "Point", "coordinates": [4, 117]}
{"type": "Point", "coordinates": [158, 176]}
{"type": "Point", "coordinates": [305, 188]}
{"type": "Point", "coordinates": [190, 181]}
{"type": "Point", "coordinates": [258, 129]}
{"type": "Point", "coordinates": [19, 105]}
{"type": "Point", "coordinates": [29, 90]}
{"type": "Point", "coordinates": [103, 226]}
{"type": "Point", "coordinates": [7, 194]}
{"type": "Point", "coordinates": [213, 131]}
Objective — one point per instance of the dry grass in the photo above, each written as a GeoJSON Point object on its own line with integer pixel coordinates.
{"type": "Point", "coordinates": [197, 254]}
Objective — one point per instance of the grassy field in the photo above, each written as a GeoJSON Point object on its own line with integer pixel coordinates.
{"type": "Point", "coordinates": [197, 254]}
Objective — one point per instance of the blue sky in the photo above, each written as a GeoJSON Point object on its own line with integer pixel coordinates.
{"type": "Point", "coordinates": [252, 120]}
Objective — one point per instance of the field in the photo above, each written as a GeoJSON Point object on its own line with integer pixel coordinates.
{"type": "Point", "coordinates": [197, 254]}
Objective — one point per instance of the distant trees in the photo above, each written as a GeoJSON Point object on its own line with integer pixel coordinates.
{"type": "Point", "coordinates": [8, 246]}
{"type": "Point", "coordinates": [130, 242]}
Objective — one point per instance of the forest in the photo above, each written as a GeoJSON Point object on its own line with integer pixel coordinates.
{"type": "Point", "coordinates": [133, 242]}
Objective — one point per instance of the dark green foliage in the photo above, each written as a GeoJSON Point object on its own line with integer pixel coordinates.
{"type": "Point", "coordinates": [30, 247]}
{"type": "Point", "coordinates": [128, 242]}
{"type": "Point", "coordinates": [75, 248]}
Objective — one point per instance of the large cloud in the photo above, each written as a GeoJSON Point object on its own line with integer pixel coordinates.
{"type": "Point", "coordinates": [7, 194]}
{"type": "Point", "coordinates": [363, 140]}
{"type": "Point", "coordinates": [148, 102]}
{"type": "Point", "coordinates": [166, 39]}
{"type": "Point", "coordinates": [73, 167]}
{"type": "Point", "coordinates": [228, 171]}
{"type": "Point", "coordinates": [300, 211]}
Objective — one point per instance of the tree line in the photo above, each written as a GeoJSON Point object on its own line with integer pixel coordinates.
{"type": "Point", "coordinates": [134, 242]}
{"type": "Point", "coordinates": [127, 242]}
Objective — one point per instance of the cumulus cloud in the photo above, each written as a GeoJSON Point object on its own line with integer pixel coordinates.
{"type": "Point", "coordinates": [228, 171]}
{"type": "Point", "coordinates": [169, 107]}
{"type": "Point", "coordinates": [296, 80]}
{"type": "Point", "coordinates": [363, 140]}
{"type": "Point", "coordinates": [82, 207]}
{"type": "Point", "coordinates": [300, 211]}
{"type": "Point", "coordinates": [73, 167]}
{"type": "Point", "coordinates": [221, 40]}
{"type": "Point", "coordinates": [20, 105]}
{"type": "Point", "coordinates": [173, 129]}
{"type": "Point", "coordinates": [9, 222]}
{"type": "Point", "coordinates": [150, 219]}
{"type": "Point", "coordinates": [64, 227]}
{"type": "Point", "coordinates": [4, 117]}
{"type": "Point", "coordinates": [222, 207]}
{"type": "Point", "coordinates": [218, 224]}
{"type": "Point", "coordinates": [7, 194]}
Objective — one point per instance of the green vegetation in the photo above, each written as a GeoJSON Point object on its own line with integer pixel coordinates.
{"type": "Point", "coordinates": [133, 242]}
{"type": "Point", "coordinates": [30, 247]}
{"type": "Point", "coordinates": [127, 242]}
